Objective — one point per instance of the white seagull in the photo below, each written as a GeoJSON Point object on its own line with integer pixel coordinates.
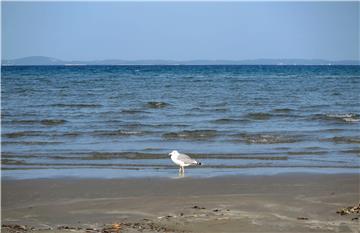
{"type": "Point", "coordinates": [182, 160]}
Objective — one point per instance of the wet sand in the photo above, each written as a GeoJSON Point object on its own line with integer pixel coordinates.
{"type": "Point", "coordinates": [279, 203]}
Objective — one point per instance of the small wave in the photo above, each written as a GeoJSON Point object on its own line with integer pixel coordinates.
{"type": "Point", "coordinates": [24, 122]}
{"type": "Point", "coordinates": [313, 148]}
{"type": "Point", "coordinates": [76, 105]}
{"type": "Point", "coordinates": [43, 122]}
{"type": "Point", "coordinates": [31, 142]}
{"type": "Point", "coordinates": [346, 117]}
{"type": "Point", "coordinates": [134, 125]}
{"type": "Point", "coordinates": [228, 121]}
{"type": "Point", "coordinates": [282, 110]}
{"type": "Point", "coordinates": [259, 116]}
{"type": "Point", "coordinates": [170, 125]}
{"type": "Point", "coordinates": [220, 109]}
{"type": "Point", "coordinates": [307, 152]}
{"type": "Point", "coordinates": [67, 134]}
{"type": "Point", "coordinates": [152, 149]}
{"type": "Point", "coordinates": [22, 134]}
{"type": "Point", "coordinates": [133, 111]}
{"type": "Point", "coordinates": [196, 109]}
{"type": "Point", "coordinates": [191, 134]}
{"type": "Point", "coordinates": [154, 126]}
{"type": "Point", "coordinates": [52, 121]}
{"type": "Point", "coordinates": [41, 133]}
{"type": "Point", "coordinates": [343, 139]}
{"type": "Point", "coordinates": [71, 134]}
{"type": "Point", "coordinates": [332, 130]}
{"type": "Point", "coordinates": [282, 148]}
{"type": "Point", "coordinates": [118, 133]}
{"type": "Point", "coordinates": [123, 155]}
{"type": "Point", "coordinates": [352, 151]}
{"type": "Point", "coordinates": [154, 104]}
{"type": "Point", "coordinates": [12, 162]}
{"type": "Point", "coordinates": [266, 138]}
{"type": "Point", "coordinates": [206, 110]}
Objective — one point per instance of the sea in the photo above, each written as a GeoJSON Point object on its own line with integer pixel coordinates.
{"type": "Point", "coordinates": [123, 121]}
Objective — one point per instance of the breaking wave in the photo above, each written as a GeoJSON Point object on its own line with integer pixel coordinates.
{"type": "Point", "coordinates": [346, 117]}
{"type": "Point", "coordinates": [115, 133]}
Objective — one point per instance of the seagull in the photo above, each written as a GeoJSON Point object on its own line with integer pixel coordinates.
{"type": "Point", "coordinates": [182, 160]}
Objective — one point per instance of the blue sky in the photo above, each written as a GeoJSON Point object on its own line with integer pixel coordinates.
{"type": "Point", "coordinates": [181, 31]}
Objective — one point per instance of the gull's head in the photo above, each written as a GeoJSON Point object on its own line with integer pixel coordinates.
{"type": "Point", "coordinates": [174, 152]}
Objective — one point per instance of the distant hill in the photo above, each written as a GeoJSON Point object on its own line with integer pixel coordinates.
{"type": "Point", "coordinates": [49, 61]}
{"type": "Point", "coordinates": [34, 60]}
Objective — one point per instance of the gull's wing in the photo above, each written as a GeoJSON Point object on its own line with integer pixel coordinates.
{"type": "Point", "coordinates": [186, 159]}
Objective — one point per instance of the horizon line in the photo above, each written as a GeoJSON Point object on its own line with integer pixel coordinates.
{"type": "Point", "coordinates": [179, 60]}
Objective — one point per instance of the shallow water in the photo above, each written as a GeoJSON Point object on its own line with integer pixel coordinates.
{"type": "Point", "coordinates": [124, 120]}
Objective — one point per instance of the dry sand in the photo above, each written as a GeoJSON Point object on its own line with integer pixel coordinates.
{"type": "Point", "coordinates": [281, 203]}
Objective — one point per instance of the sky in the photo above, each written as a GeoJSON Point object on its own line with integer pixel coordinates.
{"type": "Point", "coordinates": [181, 30]}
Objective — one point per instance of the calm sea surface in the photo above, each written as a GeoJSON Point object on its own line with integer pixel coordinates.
{"type": "Point", "coordinates": [122, 121]}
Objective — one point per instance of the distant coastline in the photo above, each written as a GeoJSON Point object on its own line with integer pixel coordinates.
{"type": "Point", "coordinates": [49, 61]}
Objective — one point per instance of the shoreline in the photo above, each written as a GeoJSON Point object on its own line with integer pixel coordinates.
{"type": "Point", "coordinates": [296, 202]}
{"type": "Point", "coordinates": [171, 173]}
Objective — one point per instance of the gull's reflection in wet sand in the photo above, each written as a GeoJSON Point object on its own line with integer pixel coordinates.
{"type": "Point", "coordinates": [180, 175]}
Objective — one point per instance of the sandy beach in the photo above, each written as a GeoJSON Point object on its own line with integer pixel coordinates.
{"type": "Point", "coordinates": [280, 203]}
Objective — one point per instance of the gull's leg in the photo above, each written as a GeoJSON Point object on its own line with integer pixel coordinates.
{"type": "Point", "coordinates": [183, 170]}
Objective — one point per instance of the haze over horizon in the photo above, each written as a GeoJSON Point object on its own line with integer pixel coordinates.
{"type": "Point", "coordinates": [174, 60]}
{"type": "Point", "coordinates": [181, 31]}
